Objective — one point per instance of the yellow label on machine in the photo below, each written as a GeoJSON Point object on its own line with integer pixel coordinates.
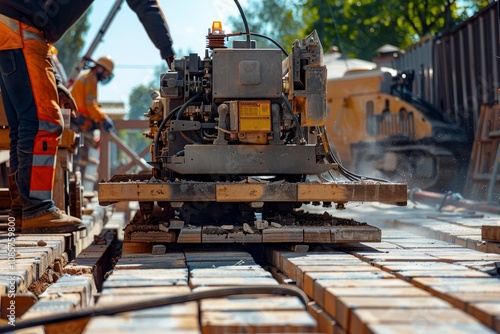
{"type": "Point", "coordinates": [254, 115]}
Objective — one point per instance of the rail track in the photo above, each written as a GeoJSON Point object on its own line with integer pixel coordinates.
{"type": "Point", "coordinates": [409, 282]}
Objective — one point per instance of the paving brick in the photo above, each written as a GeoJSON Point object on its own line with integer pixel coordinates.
{"type": "Point", "coordinates": [309, 278]}
{"type": "Point", "coordinates": [230, 281]}
{"type": "Point", "coordinates": [412, 274]}
{"type": "Point", "coordinates": [345, 305]}
{"type": "Point", "coordinates": [392, 266]}
{"type": "Point", "coordinates": [257, 303]}
{"type": "Point", "coordinates": [152, 325]}
{"type": "Point", "coordinates": [364, 319]}
{"type": "Point", "coordinates": [332, 294]}
{"type": "Point", "coordinates": [148, 290]}
{"type": "Point", "coordinates": [488, 312]}
{"type": "Point", "coordinates": [248, 271]}
{"type": "Point", "coordinates": [429, 328]}
{"type": "Point", "coordinates": [258, 322]}
{"type": "Point", "coordinates": [199, 256]}
{"type": "Point", "coordinates": [301, 271]}
{"type": "Point", "coordinates": [321, 285]}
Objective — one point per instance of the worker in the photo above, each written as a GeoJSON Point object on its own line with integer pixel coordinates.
{"type": "Point", "coordinates": [90, 116]}
{"type": "Point", "coordinates": [31, 99]}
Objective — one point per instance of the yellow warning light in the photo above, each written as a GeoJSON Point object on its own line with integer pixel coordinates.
{"type": "Point", "coordinates": [216, 27]}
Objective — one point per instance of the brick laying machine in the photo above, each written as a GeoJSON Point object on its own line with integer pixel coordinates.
{"type": "Point", "coordinates": [238, 136]}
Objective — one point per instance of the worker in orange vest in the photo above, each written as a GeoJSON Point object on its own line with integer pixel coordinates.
{"type": "Point", "coordinates": [90, 116]}
{"type": "Point", "coordinates": [31, 99]}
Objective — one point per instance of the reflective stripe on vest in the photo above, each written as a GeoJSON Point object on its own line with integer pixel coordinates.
{"type": "Point", "coordinates": [14, 25]}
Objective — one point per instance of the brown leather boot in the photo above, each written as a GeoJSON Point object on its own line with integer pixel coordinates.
{"type": "Point", "coordinates": [53, 222]}
{"type": "Point", "coordinates": [16, 209]}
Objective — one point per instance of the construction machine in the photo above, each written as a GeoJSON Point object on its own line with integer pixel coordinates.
{"type": "Point", "coordinates": [378, 127]}
{"type": "Point", "coordinates": [238, 136]}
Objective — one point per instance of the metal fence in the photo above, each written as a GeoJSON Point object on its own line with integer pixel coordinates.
{"type": "Point", "coordinates": [458, 71]}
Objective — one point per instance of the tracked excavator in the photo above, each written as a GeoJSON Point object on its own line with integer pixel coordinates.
{"type": "Point", "coordinates": [379, 127]}
{"type": "Point", "coordinates": [238, 138]}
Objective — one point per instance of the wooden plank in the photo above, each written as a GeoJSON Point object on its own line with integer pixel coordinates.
{"type": "Point", "coordinates": [189, 234]}
{"type": "Point", "coordinates": [361, 233]}
{"type": "Point", "coordinates": [136, 247]}
{"type": "Point", "coordinates": [490, 233]}
{"type": "Point", "coordinates": [283, 234]}
{"type": "Point", "coordinates": [253, 192]}
{"type": "Point", "coordinates": [230, 237]}
{"type": "Point", "coordinates": [317, 234]}
{"type": "Point", "coordinates": [150, 236]}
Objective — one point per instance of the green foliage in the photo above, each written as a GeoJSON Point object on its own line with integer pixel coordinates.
{"type": "Point", "coordinates": [139, 102]}
{"type": "Point", "coordinates": [273, 18]}
{"type": "Point", "coordinates": [71, 44]}
{"type": "Point", "coordinates": [140, 99]}
{"type": "Point", "coordinates": [358, 27]}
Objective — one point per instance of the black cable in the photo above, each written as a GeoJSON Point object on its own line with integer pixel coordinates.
{"type": "Point", "coordinates": [185, 105]}
{"type": "Point", "coordinates": [245, 23]}
{"type": "Point", "coordinates": [271, 40]}
{"type": "Point", "coordinates": [160, 127]}
{"type": "Point", "coordinates": [158, 301]}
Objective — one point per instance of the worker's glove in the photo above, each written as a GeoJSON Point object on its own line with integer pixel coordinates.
{"type": "Point", "coordinates": [108, 124]}
{"type": "Point", "coordinates": [170, 61]}
{"type": "Point", "coordinates": [66, 100]}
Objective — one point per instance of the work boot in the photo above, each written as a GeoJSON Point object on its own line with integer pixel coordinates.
{"type": "Point", "coordinates": [16, 209]}
{"type": "Point", "coordinates": [53, 222]}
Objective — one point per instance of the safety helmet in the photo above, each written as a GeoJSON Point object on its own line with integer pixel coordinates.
{"type": "Point", "coordinates": [107, 63]}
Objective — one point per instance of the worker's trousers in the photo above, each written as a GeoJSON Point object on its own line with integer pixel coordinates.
{"type": "Point", "coordinates": [30, 99]}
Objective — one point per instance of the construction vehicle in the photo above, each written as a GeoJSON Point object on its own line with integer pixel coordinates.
{"type": "Point", "coordinates": [378, 127]}
{"type": "Point", "coordinates": [238, 135]}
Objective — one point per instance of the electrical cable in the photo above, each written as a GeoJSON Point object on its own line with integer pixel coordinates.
{"type": "Point", "coordinates": [185, 105]}
{"type": "Point", "coordinates": [245, 23]}
{"type": "Point", "coordinates": [271, 40]}
{"type": "Point", "coordinates": [158, 301]}
{"type": "Point", "coordinates": [290, 109]}
{"type": "Point", "coordinates": [160, 127]}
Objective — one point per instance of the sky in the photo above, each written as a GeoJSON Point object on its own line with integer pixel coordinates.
{"type": "Point", "coordinates": [135, 55]}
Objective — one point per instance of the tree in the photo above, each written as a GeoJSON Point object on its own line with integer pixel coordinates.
{"type": "Point", "coordinates": [140, 99]}
{"type": "Point", "coordinates": [273, 18]}
{"type": "Point", "coordinates": [71, 44]}
{"type": "Point", "coordinates": [360, 27]}
{"type": "Point", "coordinates": [139, 103]}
